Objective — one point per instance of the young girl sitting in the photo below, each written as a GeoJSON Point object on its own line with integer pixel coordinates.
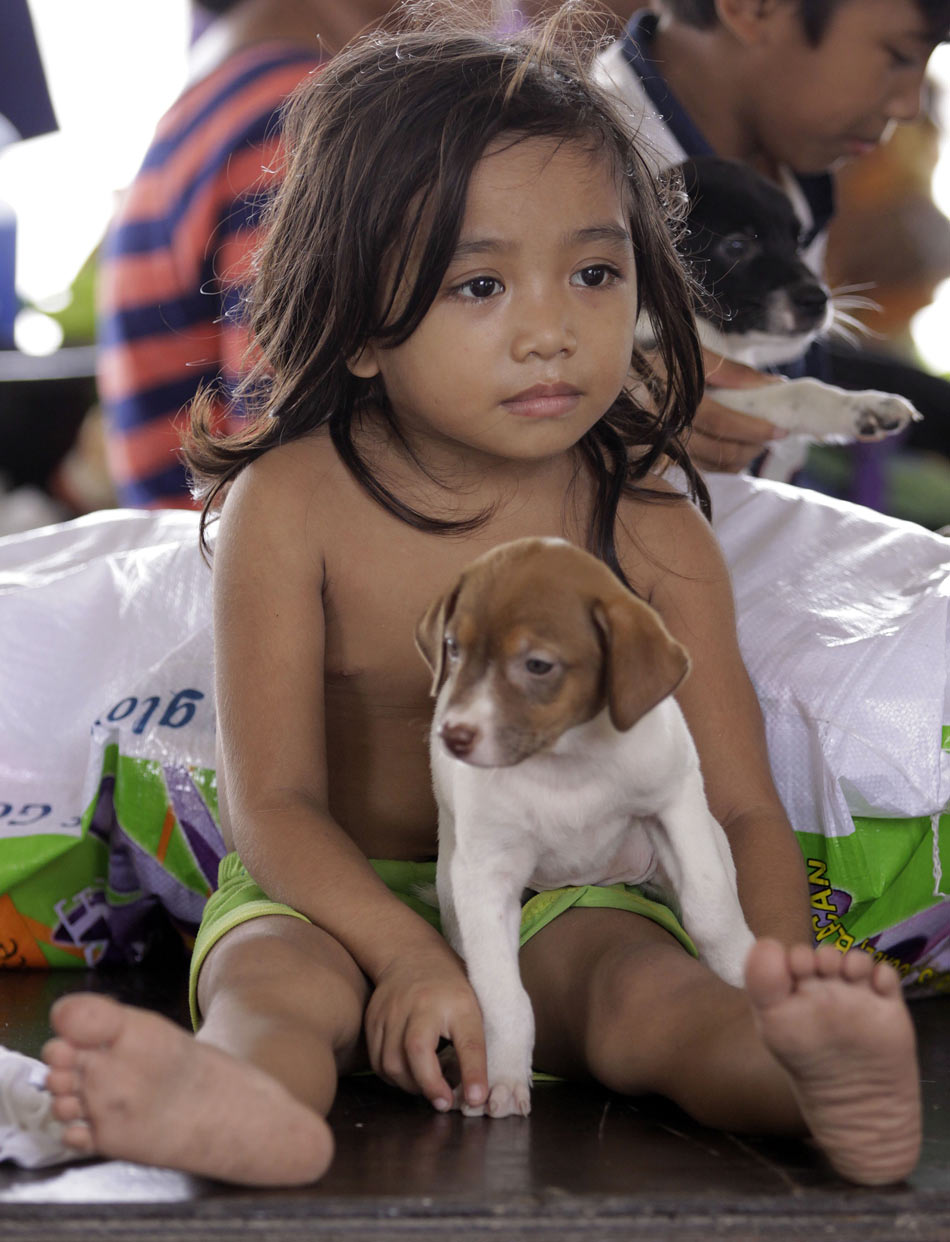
{"type": "Point", "coordinates": [445, 311]}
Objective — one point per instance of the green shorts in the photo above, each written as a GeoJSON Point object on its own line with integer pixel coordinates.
{"type": "Point", "coordinates": [238, 900]}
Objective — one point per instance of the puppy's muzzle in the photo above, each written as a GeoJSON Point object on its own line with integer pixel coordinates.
{"type": "Point", "coordinates": [459, 739]}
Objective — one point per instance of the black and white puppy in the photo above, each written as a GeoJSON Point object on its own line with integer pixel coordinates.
{"type": "Point", "coordinates": [763, 305]}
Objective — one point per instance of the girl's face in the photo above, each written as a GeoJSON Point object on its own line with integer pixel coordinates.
{"type": "Point", "coordinates": [529, 340]}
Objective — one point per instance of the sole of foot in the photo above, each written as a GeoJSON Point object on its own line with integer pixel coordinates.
{"type": "Point", "coordinates": [839, 1026]}
{"type": "Point", "coordinates": [131, 1085]}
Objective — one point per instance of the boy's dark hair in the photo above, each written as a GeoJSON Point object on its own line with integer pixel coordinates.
{"type": "Point", "coordinates": [381, 145]}
{"type": "Point", "coordinates": [815, 15]}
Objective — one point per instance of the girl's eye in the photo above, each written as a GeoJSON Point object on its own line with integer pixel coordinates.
{"type": "Point", "coordinates": [480, 287]}
{"type": "Point", "coordinates": [537, 667]}
{"type": "Point", "coordinates": [594, 276]}
{"type": "Point", "coordinates": [451, 647]}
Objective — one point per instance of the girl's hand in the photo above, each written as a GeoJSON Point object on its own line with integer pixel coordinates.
{"type": "Point", "coordinates": [417, 1002]}
{"type": "Point", "coordinates": [721, 438]}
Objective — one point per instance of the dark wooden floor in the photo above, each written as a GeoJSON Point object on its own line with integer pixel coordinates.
{"type": "Point", "coordinates": [586, 1165]}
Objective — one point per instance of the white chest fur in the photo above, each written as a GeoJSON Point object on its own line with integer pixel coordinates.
{"type": "Point", "coordinates": [575, 814]}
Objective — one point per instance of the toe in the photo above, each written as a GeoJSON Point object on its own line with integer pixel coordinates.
{"type": "Point", "coordinates": [59, 1054]}
{"type": "Point", "coordinates": [68, 1108]}
{"type": "Point", "coordinates": [827, 961]}
{"type": "Point", "coordinates": [87, 1020]}
{"type": "Point", "coordinates": [767, 977]}
{"type": "Point", "coordinates": [885, 979]}
{"type": "Point", "coordinates": [78, 1136]}
{"type": "Point", "coordinates": [802, 962]}
{"type": "Point", "coordinates": [857, 966]}
{"type": "Point", "coordinates": [62, 1082]}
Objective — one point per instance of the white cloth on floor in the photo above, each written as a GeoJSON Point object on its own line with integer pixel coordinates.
{"type": "Point", "coordinates": [29, 1133]}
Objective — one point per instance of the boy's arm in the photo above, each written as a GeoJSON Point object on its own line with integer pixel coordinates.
{"type": "Point", "coordinates": [269, 640]}
{"type": "Point", "coordinates": [691, 590]}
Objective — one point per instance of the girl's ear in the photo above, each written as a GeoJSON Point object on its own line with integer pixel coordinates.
{"type": "Point", "coordinates": [365, 364]}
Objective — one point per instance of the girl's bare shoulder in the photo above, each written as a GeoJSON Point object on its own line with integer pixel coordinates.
{"type": "Point", "coordinates": [663, 536]}
{"type": "Point", "coordinates": [284, 507]}
{"type": "Point", "coordinates": [289, 482]}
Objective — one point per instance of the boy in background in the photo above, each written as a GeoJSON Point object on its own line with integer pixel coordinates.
{"type": "Point", "coordinates": [792, 88]}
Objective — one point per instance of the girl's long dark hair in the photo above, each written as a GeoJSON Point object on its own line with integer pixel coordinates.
{"type": "Point", "coordinates": [380, 146]}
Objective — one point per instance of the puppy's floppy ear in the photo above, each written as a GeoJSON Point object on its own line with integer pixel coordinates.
{"type": "Point", "coordinates": [644, 662]}
{"type": "Point", "coordinates": [430, 635]}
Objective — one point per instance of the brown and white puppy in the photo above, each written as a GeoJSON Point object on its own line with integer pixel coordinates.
{"type": "Point", "coordinates": [559, 757]}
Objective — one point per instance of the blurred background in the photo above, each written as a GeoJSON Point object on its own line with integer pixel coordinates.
{"type": "Point", "coordinates": [113, 67]}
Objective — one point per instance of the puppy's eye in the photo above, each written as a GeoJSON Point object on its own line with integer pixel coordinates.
{"type": "Point", "coordinates": [537, 667]}
{"type": "Point", "coordinates": [737, 245]}
{"type": "Point", "coordinates": [451, 647]}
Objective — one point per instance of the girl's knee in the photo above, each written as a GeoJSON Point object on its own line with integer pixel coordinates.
{"type": "Point", "coordinates": [283, 969]}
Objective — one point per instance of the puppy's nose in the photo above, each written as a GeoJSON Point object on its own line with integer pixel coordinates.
{"type": "Point", "coordinates": [809, 297]}
{"type": "Point", "coordinates": [459, 739]}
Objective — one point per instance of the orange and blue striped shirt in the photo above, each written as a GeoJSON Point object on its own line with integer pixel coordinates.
{"type": "Point", "coordinates": [173, 260]}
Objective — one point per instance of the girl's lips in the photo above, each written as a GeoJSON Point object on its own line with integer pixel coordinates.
{"type": "Point", "coordinates": [543, 401]}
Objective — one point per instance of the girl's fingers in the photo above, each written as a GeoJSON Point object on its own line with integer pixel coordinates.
{"type": "Point", "coordinates": [385, 1048]}
{"type": "Point", "coordinates": [468, 1037]}
{"type": "Point", "coordinates": [421, 1050]}
{"type": "Point", "coordinates": [373, 1033]}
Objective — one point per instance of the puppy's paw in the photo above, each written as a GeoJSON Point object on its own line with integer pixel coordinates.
{"type": "Point", "coordinates": [509, 1099]}
{"type": "Point", "coordinates": [879, 414]}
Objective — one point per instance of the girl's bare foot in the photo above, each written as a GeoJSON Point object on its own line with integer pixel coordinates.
{"type": "Point", "coordinates": [131, 1085]}
{"type": "Point", "coordinates": [840, 1027]}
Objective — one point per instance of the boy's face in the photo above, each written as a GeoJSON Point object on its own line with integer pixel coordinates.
{"type": "Point", "coordinates": [529, 340]}
{"type": "Point", "coordinates": [811, 107]}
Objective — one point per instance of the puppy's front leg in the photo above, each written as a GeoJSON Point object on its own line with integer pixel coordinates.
{"type": "Point", "coordinates": [486, 913]}
{"type": "Point", "coordinates": [694, 852]}
{"type": "Point", "coordinates": [821, 411]}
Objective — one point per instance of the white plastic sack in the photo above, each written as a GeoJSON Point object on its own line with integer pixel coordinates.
{"type": "Point", "coordinates": [843, 622]}
{"type": "Point", "coordinates": [107, 796]}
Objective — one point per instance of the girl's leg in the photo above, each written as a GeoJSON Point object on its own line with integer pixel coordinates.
{"type": "Point", "coordinates": [283, 1005]}
{"type": "Point", "coordinates": [818, 1042]}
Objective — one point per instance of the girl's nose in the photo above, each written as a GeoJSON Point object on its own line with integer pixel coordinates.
{"type": "Point", "coordinates": [544, 331]}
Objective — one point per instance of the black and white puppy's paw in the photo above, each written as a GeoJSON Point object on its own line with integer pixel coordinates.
{"type": "Point", "coordinates": [808, 407]}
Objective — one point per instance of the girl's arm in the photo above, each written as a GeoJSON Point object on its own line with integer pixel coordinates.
{"type": "Point", "coordinates": [269, 643]}
{"type": "Point", "coordinates": [690, 587]}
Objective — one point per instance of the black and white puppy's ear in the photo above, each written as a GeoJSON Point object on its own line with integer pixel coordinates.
{"type": "Point", "coordinates": [644, 661]}
{"type": "Point", "coordinates": [430, 635]}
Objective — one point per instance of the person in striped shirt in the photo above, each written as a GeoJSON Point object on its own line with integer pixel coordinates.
{"type": "Point", "coordinates": [181, 241]}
